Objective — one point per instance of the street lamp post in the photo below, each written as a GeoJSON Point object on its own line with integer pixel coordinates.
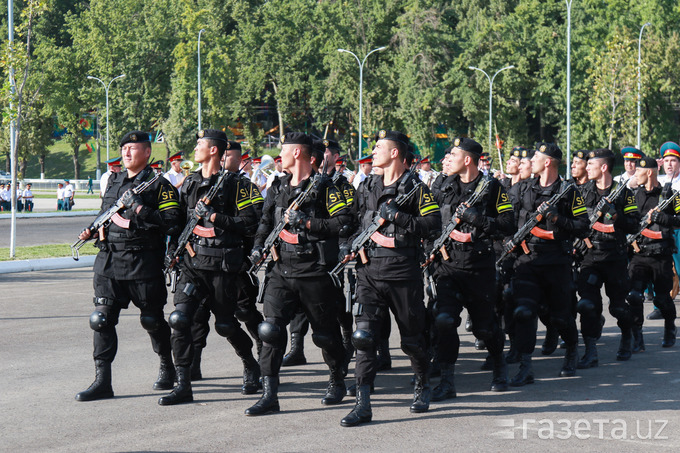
{"type": "Point", "coordinates": [199, 78]}
{"type": "Point", "coordinates": [106, 89]}
{"type": "Point", "coordinates": [639, 139]}
{"type": "Point", "coordinates": [569, 2]}
{"type": "Point", "coordinates": [361, 84]}
{"type": "Point", "coordinates": [491, 79]}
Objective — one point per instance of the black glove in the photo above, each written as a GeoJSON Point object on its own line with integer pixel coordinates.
{"type": "Point", "coordinates": [130, 199]}
{"type": "Point", "coordinates": [256, 254]}
{"type": "Point", "coordinates": [389, 211]}
{"type": "Point", "coordinates": [609, 211]}
{"type": "Point", "coordinates": [344, 251]}
{"type": "Point", "coordinates": [472, 216]}
{"type": "Point", "coordinates": [661, 218]}
{"type": "Point", "coordinates": [204, 211]}
{"type": "Point", "coordinates": [297, 218]}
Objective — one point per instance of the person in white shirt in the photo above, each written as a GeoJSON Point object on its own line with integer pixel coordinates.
{"type": "Point", "coordinates": [365, 169]}
{"type": "Point", "coordinates": [175, 175]}
{"type": "Point", "coordinates": [427, 175]}
{"type": "Point", "coordinates": [60, 197]}
{"type": "Point", "coordinates": [277, 173]}
{"type": "Point", "coordinates": [631, 157]}
{"type": "Point", "coordinates": [69, 192]}
{"type": "Point", "coordinates": [246, 165]}
{"type": "Point", "coordinates": [27, 196]}
{"type": "Point", "coordinates": [5, 197]}
{"type": "Point", "coordinates": [20, 202]}
{"type": "Point", "coordinates": [114, 166]}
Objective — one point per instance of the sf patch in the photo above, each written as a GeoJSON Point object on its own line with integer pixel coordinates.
{"type": "Point", "coordinates": [426, 203]}
{"type": "Point", "coordinates": [335, 202]}
{"type": "Point", "coordinates": [578, 206]}
{"type": "Point", "coordinates": [167, 198]}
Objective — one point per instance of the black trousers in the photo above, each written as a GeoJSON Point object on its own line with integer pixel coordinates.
{"type": "Point", "coordinates": [657, 270]}
{"type": "Point", "coordinates": [405, 298]}
{"type": "Point", "coordinates": [283, 298]}
{"type": "Point", "coordinates": [613, 275]}
{"type": "Point", "coordinates": [547, 287]}
{"type": "Point", "coordinates": [215, 291]}
{"type": "Point", "coordinates": [300, 324]}
{"type": "Point", "coordinates": [474, 290]}
{"type": "Point", "coordinates": [149, 295]}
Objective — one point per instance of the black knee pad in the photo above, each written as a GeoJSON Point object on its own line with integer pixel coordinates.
{"type": "Point", "coordinates": [507, 295]}
{"type": "Point", "coordinates": [621, 313]}
{"type": "Point", "coordinates": [178, 320]}
{"type": "Point", "coordinates": [524, 313]}
{"type": "Point", "coordinates": [413, 346]}
{"type": "Point", "coordinates": [98, 321]}
{"type": "Point", "coordinates": [225, 328]}
{"type": "Point", "coordinates": [270, 332]}
{"type": "Point", "coordinates": [150, 322]}
{"type": "Point", "coordinates": [243, 315]}
{"type": "Point", "coordinates": [585, 306]}
{"type": "Point", "coordinates": [323, 340]}
{"type": "Point", "coordinates": [635, 298]}
{"type": "Point", "coordinates": [446, 323]}
{"type": "Point", "coordinates": [483, 334]}
{"type": "Point", "coordinates": [558, 322]}
{"type": "Point", "coordinates": [363, 340]}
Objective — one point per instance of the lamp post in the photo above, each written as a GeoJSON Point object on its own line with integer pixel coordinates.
{"type": "Point", "coordinates": [639, 83]}
{"type": "Point", "coordinates": [199, 78]}
{"type": "Point", "coordinates": [361, 83]}
{"type": "Point", "coordinates": [491, 79]}
{"type": "Point", "coordinates": [569, 2]}
{"type": "Point", "coordinates": [106, 89]}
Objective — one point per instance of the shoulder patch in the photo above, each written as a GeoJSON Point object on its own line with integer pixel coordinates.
{"type": "Point", "coordinates": [503, 203]}
{"type": "Point", "coordinates": [335, 202]}
{"type": "Point", "coordinates": [578, 205]}
{"type": "Point", "coordinates": [167, 197]}
{"type": "Point", "coordinates": [426, 203]}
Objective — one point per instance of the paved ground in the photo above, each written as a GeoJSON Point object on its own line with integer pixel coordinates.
{"type": "Point", "coordinates": [46, 348]}
{"type": "Point", "coordinates": [44, 230]}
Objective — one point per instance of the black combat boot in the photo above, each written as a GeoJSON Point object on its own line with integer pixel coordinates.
{"type": "Point", "coordinates": [352, 390]}
{"type": "Point", "coordinates": [336, 388]}
{"type": "Point", "coordinates": [669, 333]}
{"type": "Point", "coordinates": [499, 383]}
{"type": "Point", "coordinates": [488, 363]}
{"type": "Point", "coordinates": [182, 393]}
{"type": "Point", "coordinates": [166, 374]}
{"type": "Point", "coordinates": [269, 402]}
{"type": "Point", "coordinates": [625, 345]}
{"type": "Point", "coordinates": [296, 355]}
{"type": "Point", "coordinates": [362, 410]}
{"type": "Point", "coordinates": [526, 372]}
{"type": "Point", "coordinates": [480, 345]}
{"type": "Point", "coordinates": [552, 336]}
{"type": "Point", "coordinates": [251, 377]}
{"type": "Point", "coordinates": [513, 354]}
{"type": "Point", "coordinates": [638, 339]}
{"type": "Point", "coordinates": [589, 359]}
{"type": "Point", "coordinates": [384, 357]}
{"type": "Point", "coordinates": [569, 363]}
{"type": "Point", "coordinates": [196, 374]}
{"type": "Point", "coordinates": [421, 395]}
{"type": "Point", "coordinates": [101, 387]}
{"type": "Point", "coordinates": [446, 388]}
{"type": "Point", "coordinates": [468, 324]}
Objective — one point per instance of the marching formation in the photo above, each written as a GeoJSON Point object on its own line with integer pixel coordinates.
{"type": "Point", "coordinates": [549, 244]}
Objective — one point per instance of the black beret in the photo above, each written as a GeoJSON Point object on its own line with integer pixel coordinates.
{"type": "Point", "coordinates": [332, 144]}
{"type": "Point", "coordinates": [135, 137]}
{"type": "Point", "coordinates": [601, 153]}
{"type": "Point", "coordinates": [527, 153]}
{"type": "Point", "coordinates": [213, 134]}
{"type": "Point", "coordinates": [550, 150]}
{"type": "Point", "coordinates": [469, 145]}
{"type": "Point", "coordinates": [296, 138]}
{"type": "Point", "coordinates": [648, 163]}
{"type": "Point", "coordinates": [233, 145]}
{"type": "Point", "coordinates": [393, 136]}
{"type": "Point", "coordinates": [517, 151]}
{"type": "Point", "coordinates": [581, 154]}
{"type": "Point", "coordinates": [319, 145]}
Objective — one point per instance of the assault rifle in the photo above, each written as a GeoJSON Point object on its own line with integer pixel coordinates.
{"type": "Point", "coordinates": [523, 233]}
{"type": "Point", "coordinates": [366, 235]}
{"type": "Point", "coordinates": [598, 212]}
{"type": "Point", "coordinates": [192, 226]}
{"type": "Point", "coordinates": [276, 234]}
{"type": "Point", "coordinates": [105, 218]}
{"type": "Point", "coordinates": [646, 221]}
{"type": "Point", "coordinates": [451, 231]}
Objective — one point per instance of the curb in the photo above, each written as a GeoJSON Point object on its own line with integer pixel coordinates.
{"type": "Point", "coordinates": [51, 214]}
{"type": "Point", "coordinates": [45, 264]}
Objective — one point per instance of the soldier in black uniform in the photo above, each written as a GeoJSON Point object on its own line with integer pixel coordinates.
{"type": "Point", "coordinates": [464, 276]}
{"type": "Point", "coordinates": [129, 265]}
{"type": "Point", "coordinates": [213, 258]}
{"type": "Point", "coordinates": [543, 277]}
{"type": "Point", "coordinates": [299, 325]}
{"type": "Point", "coordinates": [579, 161]}
{"type": "Point", "coordinates": [390, 279]}
{"type": "Point", "coordinates": [652, 261]}
{"type": "Point", "coordinates": [299, 276]}
{"type": "Point", "coordinates": [605, 258]}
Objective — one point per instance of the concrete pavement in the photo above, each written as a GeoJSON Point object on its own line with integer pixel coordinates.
{"type": "Point", "coordinates": [46, 346]}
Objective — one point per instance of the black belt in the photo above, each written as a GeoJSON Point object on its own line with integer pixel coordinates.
{"type": "Point", "coordinates": [384, 252]}
{"type": "Point", "coordinates": [208, 251]}
{"type": "Point", "coordinates": [119, 247]}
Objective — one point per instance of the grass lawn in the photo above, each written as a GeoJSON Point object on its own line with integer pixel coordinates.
{"type": "Point", "coordinates": [46, 251]}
